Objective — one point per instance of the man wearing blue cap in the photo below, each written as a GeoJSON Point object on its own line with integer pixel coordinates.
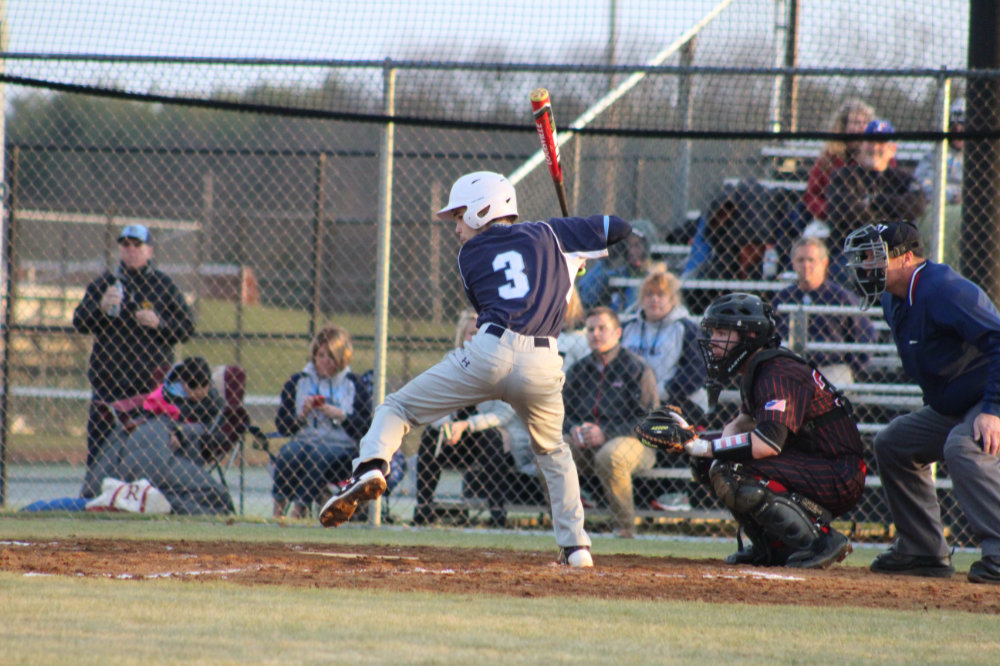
{"type": "Point", "coordinates": [875, 189]}
{"type": "Point", "coordinates": [136, 314]}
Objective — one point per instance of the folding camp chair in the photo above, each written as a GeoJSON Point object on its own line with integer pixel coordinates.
{"type": "Point", "coordinates": [230, 381]}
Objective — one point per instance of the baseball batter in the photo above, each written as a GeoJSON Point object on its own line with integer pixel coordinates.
{"type": "Point", "coordinates": [518, 278]}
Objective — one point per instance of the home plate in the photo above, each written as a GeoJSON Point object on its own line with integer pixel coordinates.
{"type": "Point", "coordinates": [358, 556]}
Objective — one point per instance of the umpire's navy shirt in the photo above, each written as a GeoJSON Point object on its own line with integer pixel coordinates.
{"type": "Point", "coordinates": [947, 331]}
{"type": "Point", "coordinates": [519, 276]}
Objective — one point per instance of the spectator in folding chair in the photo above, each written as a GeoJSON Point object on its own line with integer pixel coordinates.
{"type": "Point", "coordinates": [136, 315]}
{"type": "Point", "coordinates": [182, 425]}
{"type": "Point", "coordinates": [474, 436]}
{"type": "Point", "coordinates": [325, 409]}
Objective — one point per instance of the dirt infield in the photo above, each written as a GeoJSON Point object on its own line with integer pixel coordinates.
{"type": "Point", "coordinates": [482, 572]}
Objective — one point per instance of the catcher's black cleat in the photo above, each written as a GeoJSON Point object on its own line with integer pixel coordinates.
{"type": "Point", "coordinates": [342, 506]}
{"type": "Point", "coordinates": [832, 548]}
{"type": "Point", "coordinates": [891, 562]}
{"type": "Point", "coordinates": [753, 556]}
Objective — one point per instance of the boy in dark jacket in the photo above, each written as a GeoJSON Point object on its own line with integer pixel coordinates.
{"type": "Point", "coordinates": [606, 394]}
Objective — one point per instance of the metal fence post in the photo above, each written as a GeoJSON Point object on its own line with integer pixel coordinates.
{"type": "Point", "coordinates": [685, 102]}
{"type": "Point", "coordinates": [317, 245]}
{"type": "Point", "coordinates": [202, 236]}
{"type": "Point", "coordinates": [9, 260]}
{"type": "Point", "coordinates": [940, 173]}
{"type": "Point", "coordinates": [384, 246]}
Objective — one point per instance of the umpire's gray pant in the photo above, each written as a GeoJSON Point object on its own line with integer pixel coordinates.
{"type": "Point", "coordinates": [510, 368]}
{"type": "Point", "coordinates": [905, 451]}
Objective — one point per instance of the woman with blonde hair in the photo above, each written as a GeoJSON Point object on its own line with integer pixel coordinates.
{"type": "Point", "coordinates": [851, 118]}
{"type": "Point", "coordinates": [666, 337]}
{"type": "Point", "coordinates": [325, 409]}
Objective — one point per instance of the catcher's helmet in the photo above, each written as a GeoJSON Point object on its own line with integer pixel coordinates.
{"type": "Point", "coordinates": [751, 318]}
{"type": "Point", "coordinates": [868, 251]}
{"type": "Point", "coordinates": [485, 195]}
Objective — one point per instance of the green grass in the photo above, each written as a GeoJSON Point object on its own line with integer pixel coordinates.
{"type": "Point", "coordinates": [86, 621]}
{"type": "Point", "coordinates": [58, 620]}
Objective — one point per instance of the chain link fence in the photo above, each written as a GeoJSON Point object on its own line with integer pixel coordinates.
{"type": "Point", "coordinates": [725, 131]}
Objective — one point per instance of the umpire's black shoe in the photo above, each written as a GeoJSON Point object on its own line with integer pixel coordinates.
{"type": "Point", "coordinates": [986, 570]}
{"type": "Point", "coordinates": [341, 507]}
{"type": "Point", "coordinates": [891, 562]}
{"type": "Point", "coordinates": [832, 548]}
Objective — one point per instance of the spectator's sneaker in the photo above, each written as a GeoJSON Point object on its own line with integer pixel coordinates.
{"type": "Point", "coordinates": [986, 570]}
{"type": "Point", "coordinates": [671, 502]}
{"type": "Point", "coordinates": [576, 556]}
{"type": "Point", "coordinates": [342, 506]}
{"type": "Point", "coordinates": [832, 548]}
{"type": "Point", "coordinates": [891, 562]}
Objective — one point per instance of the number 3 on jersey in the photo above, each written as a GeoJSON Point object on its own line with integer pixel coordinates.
{"type": "Point", "coordinates": [512, 265]}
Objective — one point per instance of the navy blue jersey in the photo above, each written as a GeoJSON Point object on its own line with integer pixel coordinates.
{"type": "Point", "coordinates": [947, 331]}
{"type": "Point", "coordinates": [519, 276]}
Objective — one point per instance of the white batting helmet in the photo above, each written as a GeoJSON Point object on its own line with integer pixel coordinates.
{"type": "Point", "coordinates": [486, 197]}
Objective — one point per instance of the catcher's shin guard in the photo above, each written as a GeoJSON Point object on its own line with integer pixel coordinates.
{"type": "Point", "coordinates": [766, 516]}
{"type": "Point", "coordinates": [784, 520]}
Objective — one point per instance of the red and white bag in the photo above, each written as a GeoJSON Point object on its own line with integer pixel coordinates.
{"type": "Point", "coordinates": [136, 497]}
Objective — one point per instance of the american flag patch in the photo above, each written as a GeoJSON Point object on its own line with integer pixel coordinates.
{"type": "Point", "coordinates": [775, 405]}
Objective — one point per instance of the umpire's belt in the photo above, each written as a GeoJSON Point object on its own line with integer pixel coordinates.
{"type": "Point", "coordinates": [497, 332]}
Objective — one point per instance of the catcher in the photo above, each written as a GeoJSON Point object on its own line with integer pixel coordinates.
{"type": "Point", "coordinates": [790, 461]}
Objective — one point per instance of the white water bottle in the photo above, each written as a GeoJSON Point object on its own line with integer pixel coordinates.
{"type": "Point", "coordinates": [116, 310]}
{"type": "Point", "coordinates": [770, 268]}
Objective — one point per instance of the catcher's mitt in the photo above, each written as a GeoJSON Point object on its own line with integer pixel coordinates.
{"type": "Point", "coordinates": [665, 429]}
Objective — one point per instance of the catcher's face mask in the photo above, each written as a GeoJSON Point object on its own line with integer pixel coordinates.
{"type": "Point", "coordinates": [868, 260]}
{"type": "Point", "coordinates": [724, 350]}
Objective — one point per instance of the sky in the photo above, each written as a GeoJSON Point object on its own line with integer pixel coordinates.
{"type": "Point", "coordinates": [326, 29]}
{"type": "Point", "coordinates": [848, 33]}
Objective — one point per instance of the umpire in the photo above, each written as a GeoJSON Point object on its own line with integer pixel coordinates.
{"type": "Point", "coordinates": [947, 332]}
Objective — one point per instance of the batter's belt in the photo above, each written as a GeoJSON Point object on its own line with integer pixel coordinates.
{"type": "Point", "coordinates": [497, 332]}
